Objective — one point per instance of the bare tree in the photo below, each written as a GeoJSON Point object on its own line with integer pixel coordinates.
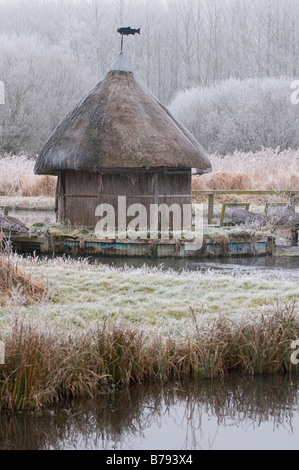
{"type": "Point", "coordinates": [183, 44]}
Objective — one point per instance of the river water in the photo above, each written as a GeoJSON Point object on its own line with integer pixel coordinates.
{"type": "Point", "coordinates": [281, 262]}
{"type": "Point", "coordinates": [233, 413]}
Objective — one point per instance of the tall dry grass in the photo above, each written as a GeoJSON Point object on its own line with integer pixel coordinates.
{"type": "Point", "coordinates": [267, 170]}
{"type": "Point", "coordinates": [13, 276]}
{"type": "Point", "coordinates": [17, 178]}
{"type": "Point", "coordinates": [45, 364]}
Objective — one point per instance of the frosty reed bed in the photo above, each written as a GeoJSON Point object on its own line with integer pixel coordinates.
{"type": "Point", "coordinates": [265, 170]}
{"type": "Point", "coordinates": [43, 366]}
{"type": "Point", "coordinates": [140, 325]}
{"type": "Point", "coordinates": [17, 178]}
{"type": "Point", "coordinates": [268, 169]}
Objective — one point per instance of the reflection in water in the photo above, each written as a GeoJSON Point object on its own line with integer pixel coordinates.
{"type": "Point", "coordinates": [238, 412]}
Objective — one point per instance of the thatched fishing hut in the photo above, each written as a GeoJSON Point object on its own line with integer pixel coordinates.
{"type": "Point", "coordinates": [119, 140]}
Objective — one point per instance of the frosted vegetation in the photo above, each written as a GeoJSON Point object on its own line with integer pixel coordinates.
{"type": "Point", "coordinates": [267, 169]}
{"type": "Point", "coordinates": [17, 178]}
{"type": "Point", "coordinates": [52, 53]}
{"type": "Point", "coordinates": [72, 329]}
{"type": "Point", "coordinates": [80, 294]}
{"type": "Point", "coordinates": [240, 115]}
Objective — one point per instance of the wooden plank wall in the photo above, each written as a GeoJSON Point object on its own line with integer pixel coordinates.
{"type": "Point", "coordinates": [79, 193]}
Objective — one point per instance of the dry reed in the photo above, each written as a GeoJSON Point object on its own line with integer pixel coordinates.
{"type": "Point", "coordinates": [13, 276]}
{"type": "Point", "coordinates": [17, 178]}
{"type": "Point", "coordinates": [267, 170]}
{"type": "Point", "coordinates": [43, 365]}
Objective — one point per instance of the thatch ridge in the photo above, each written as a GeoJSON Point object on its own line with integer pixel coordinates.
{"type": "Point", "coordinates": [120, 124]}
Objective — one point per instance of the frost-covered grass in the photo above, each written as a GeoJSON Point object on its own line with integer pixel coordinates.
{"type": "Point", "coordinates": [234, 232]}
{"type": "Point", "coordinates": [151, 296]}
{"type": "Point", "coordinates": [83, 293]}
{"type": "Point", "coordinates": [211, 232]}
{"type": "Point", "coordinates": [28, 202]}
{"type": "Point", "coordinates": [99, 326]}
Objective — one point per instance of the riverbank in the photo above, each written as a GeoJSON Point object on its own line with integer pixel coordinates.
{"type": "Point", "coordinates": [97, 327]}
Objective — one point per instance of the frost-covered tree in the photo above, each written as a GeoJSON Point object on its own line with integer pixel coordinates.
{"type": "Point", "coordinates": [183, 44]}
{"type": "Point", "coordinates": [240, 115]}
{"type": "Point", "coordinates": [41, 85]}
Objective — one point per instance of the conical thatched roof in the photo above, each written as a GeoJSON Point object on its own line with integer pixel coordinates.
{"type": "Point", "coordinates": [120, 124]}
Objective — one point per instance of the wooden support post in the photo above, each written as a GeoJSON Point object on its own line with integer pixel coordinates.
{"type": "Point", "coordinates": [211, 209]}
{"type": "Point", "coordinates": [61, 202]}
{"type": "Point", "coordinates": [63, 198]}
{"type": "Point", "coordinates": [155, 187]}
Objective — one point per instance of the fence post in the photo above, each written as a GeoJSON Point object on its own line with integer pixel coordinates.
{"type": "Point", "coordinates": [211, 209]}
{"type": "Point", "coordinates": [2, 353]}
{"type": "Point", "coordinates": [5, 209]}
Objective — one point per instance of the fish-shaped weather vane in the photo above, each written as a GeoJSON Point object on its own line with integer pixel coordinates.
{"type": "Point", "coordinates": [126, 32]}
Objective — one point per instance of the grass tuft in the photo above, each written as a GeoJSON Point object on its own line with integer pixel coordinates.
{"type": "Point", "coordinates": [45, 364]}
{"type": "Point", "coordinates": [13, 276]}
